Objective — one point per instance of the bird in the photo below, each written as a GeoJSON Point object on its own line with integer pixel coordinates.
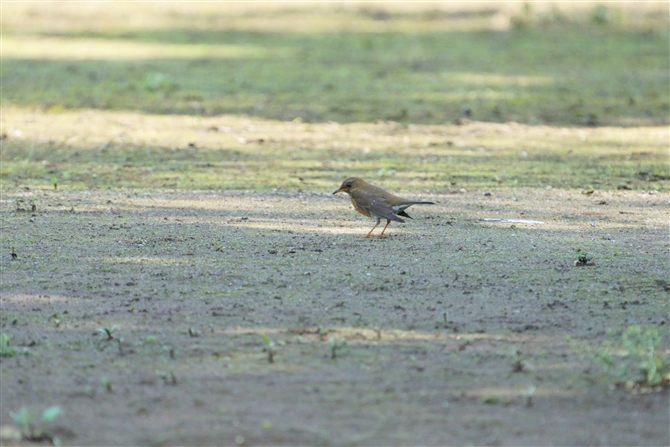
{"type": "Point", "coordinates": [372, 201]}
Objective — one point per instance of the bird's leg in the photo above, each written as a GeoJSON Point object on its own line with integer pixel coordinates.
{"type": "Point", "coordinates": [388, 221]}
{"type": "Point", "coordinates": [370, 232]}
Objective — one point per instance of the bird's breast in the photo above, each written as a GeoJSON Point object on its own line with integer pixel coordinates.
{"type": "Point", "coordinates": [358, 208]}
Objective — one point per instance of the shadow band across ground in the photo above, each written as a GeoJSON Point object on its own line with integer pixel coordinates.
{"type": "Point", "coordinates": [102, 149]}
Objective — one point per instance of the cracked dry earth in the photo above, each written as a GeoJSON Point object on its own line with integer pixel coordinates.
{"type": "Point", "coordinates": [450, 331]}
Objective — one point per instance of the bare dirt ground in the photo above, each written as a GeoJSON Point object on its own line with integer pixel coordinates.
{"type": "Point", "coordinates": [451, 331]}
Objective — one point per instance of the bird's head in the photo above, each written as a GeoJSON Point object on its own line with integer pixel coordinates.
{"type": "Point", "coordinates": [350, 184]}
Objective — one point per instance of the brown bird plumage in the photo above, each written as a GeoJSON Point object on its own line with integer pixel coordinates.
{"type": "Point", "coordinates": [374, 202]}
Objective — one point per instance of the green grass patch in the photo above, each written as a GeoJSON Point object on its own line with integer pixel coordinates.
{"type": "Point", "coordinates": [418, 67]}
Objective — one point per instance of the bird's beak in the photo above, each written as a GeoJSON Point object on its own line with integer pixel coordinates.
{"type": "Point", "coordinates": [339, 190]}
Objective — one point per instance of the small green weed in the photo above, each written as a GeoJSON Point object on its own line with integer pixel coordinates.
{"type": "Point", "coordinates": [335, 346]}
{"type": "Point", "coordinates": [270, 347]}
{"type": "Point", "coordinates": [109, 332]}
{"type": "Point", "coordinates": [168, 378]}
{"type": "Point", "coordinates": [636, 359]}
{"type": "Point", "coordinates": [9, 351]}
{"type": "Point", "coordinates": [528, 395]}
{"type": "Point", "coordinates": [521, 364]}
{"type": "Point", "coordinates": [170, 350]}
{"type": "Point", "coordinates": [27, 428]}
{"type": "Point", "coordinates": [107, 384]}
{"type": "Point", "coordinates": [5, 349]}
{"type": "Point", "coordinates": [583, 258]}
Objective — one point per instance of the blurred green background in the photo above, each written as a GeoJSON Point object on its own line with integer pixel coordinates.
{"type": "Point", "coordinates": [562, 66]}
{"type": "Point", "coordinates": [572, 65]}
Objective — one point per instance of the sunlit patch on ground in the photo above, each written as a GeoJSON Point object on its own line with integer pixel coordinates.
{"type": "Point", "coordinates": [101, 49]}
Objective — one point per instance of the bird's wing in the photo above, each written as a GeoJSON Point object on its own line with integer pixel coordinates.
{"type": "Point", "coordinates": [382, 208]}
